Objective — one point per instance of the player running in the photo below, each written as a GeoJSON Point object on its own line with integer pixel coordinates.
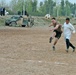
{"type": "Point", "coordinates": [68, 29]}
{"type": "Point", "coordinates": [56, 32]}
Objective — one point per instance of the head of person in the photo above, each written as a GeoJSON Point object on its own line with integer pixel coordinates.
{"type": "Point", "coordinates": [67, 20]}
{"type": "Point", "coordinates": [53, 20]}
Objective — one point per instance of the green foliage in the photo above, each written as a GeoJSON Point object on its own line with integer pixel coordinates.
{"type": "Point", "coordinates": [33, 7]}
{"type": "Point", "coordinates": [62, 8]}
{"type": "Point", "coordinates": [67, 8]}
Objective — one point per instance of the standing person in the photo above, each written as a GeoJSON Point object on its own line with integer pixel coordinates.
{"type": "Point", "coordinates": [68, 29]}
{"type": "Point", "coordinates": [56, 32]}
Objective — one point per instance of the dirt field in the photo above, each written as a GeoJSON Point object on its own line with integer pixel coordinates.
{"type": "Point", "coordinates": [26, 51]}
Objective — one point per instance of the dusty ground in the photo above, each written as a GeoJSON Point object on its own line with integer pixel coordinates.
{"type": "Point", "coordinates": [26, 51]}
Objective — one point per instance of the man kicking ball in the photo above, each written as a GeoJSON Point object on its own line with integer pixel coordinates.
{"type": "Point", "coordinates": [68, 29]}
{"type": "Point", "coordinates": [56, 32]}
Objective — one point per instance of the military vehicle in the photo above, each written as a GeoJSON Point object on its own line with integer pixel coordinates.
{"type": "Point", "coordinates": [20, 21]}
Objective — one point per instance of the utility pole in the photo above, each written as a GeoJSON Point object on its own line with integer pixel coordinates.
{"type": "Point", "coordinates": [57, 5]}
{"type": "Point", "coordinates": [49, 8]}
{"type": "Point", "coordinates": [23, 7]}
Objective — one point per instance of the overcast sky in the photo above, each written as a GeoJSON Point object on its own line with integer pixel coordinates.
{"type": "Point", "coordinates": [73, 1]}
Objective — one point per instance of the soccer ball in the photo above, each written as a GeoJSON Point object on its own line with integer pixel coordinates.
{"type": "Point", "coordinates": [47, 16]}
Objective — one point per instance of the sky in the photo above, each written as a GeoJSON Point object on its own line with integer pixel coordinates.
{"type": "Point", "coordinates": [72, 1]}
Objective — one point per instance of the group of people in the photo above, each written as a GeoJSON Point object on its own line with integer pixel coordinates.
{"type": "Point", "coordinates": [68, 29]}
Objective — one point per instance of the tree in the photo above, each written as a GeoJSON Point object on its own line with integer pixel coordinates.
{"type": "Point", "coordinates": [75, 9]}
{"type": "Point", "coordinates": [41, 8]}
{"type": "Point", "coordinates": [13, 5]}
{"type": "Point", "coordinates": [62, 8]}
{"type": "Point", "coordinates": [67, 8]}
{"type": "Point", "coordinates": [50, 6]}
{"type": "Point", "coordinates": [29, 7]}
{"type": "Point", "coordinates": [3, 3]}
{"type": "Point", "coordinates": [34, 5]}
{"type": "Point", "coordinates": [19, 5]}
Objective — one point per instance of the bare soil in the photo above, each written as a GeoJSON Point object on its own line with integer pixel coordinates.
{"type": "Point", "coordinates": [27, 51]}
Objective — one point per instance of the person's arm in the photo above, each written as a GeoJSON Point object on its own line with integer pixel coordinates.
{"type": "Point", "coordinates": [51, 25]}
{"type": "Point", "coordinates": [72, 28]}
{"type": "Point", "coordinates": [63, 26]}
{"type": "Point", "coordinates": [55, 28]}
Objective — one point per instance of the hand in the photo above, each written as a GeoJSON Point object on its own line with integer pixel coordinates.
{"type": "Point", "coordinates": [73, 31]}
{"type": "Point", "coordinates": [52, 30]}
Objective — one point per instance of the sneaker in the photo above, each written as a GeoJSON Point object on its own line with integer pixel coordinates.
{"type": "Point", "coordinates": [53, 48]}
{"type": "Point", "coordinates": [74, 50]}
{"type": "Point", "coordinates": [50, 40]}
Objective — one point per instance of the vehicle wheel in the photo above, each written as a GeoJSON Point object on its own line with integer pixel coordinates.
{"type": "Point", "coordinates": [6, 24]}
{"type": "Point", "coordinates": [13, 24]}
{"type": "Point", "coordinates": [31, 24]}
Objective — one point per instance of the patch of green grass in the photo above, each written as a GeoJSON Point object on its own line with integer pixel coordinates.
{"type": "Point", "coordinates": [2, 22]}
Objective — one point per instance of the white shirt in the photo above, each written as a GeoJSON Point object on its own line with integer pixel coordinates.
{"type": "Point", "coordinates": [68, 29]}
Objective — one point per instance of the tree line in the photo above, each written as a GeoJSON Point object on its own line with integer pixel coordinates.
{"type": "Point", "coordinates": [33, 7]}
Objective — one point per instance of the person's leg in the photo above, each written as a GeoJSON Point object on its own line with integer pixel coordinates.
{"type": "Point", "coordinates": [72, 46]}
{"type": "Point", "coordinates": [56, 40]}
{"type": "Point", "coordinates": [52, 36]}
{"type": "Point", "coordinates": [68, 44]}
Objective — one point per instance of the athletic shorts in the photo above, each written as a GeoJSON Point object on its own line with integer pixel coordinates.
{"type": "Point", "coordinates": [58, 34]}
